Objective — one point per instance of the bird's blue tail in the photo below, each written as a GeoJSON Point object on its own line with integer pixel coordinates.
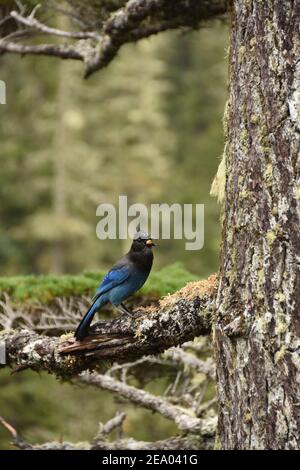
{"type": "Point", "coordinates": [83, 327]}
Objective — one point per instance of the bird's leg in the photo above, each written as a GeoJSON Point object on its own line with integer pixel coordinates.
{"type": "Point", "coordinates": [126, 309]}
{"type": "Point", "coordinates": [121, 307]}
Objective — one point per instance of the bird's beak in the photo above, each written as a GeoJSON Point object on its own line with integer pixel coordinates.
{"type": "Point", "coordinates": [150, 242]}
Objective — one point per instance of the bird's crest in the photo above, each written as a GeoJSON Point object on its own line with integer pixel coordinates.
{"type": "Point", "coordinates": [140, 234]}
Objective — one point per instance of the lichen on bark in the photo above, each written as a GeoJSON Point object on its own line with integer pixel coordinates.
{"type": "Point", "coordinates": [258, 366]}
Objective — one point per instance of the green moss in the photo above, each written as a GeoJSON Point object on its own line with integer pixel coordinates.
{"type": "Point", "coordinates": [280, 296]}
{"type": "Point", "coordinates": [244, 194]}
{"type": "Point", "coordinates": [266, 150]}
{"type": "Point", "coordinates": [33, 289]}
{"type": "Point", "coordinates": [241, 54]}
{"type": "Point", "coordinates": [271, 237]}
{"type": "Point", "coordinates": [281, 327]}
{"type": "Point", "coordinates": [168, 280]}
{"type": "Point", "coordinates": [261, 283]}
{"type": "Point", "coordinates": [244, 135]}
{"type": "Point", "coordinates": [280, 354]}
{"type": "Point", "coordinates": [217, 444]}
{"type": "Point", "coordinates": [254, 119]}
{"type": "Point", "coordinates": [268, 174]}
{"type": "Point", "coordinates": [45, 288]}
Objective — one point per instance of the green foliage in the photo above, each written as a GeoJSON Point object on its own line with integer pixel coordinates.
{"type": "Point", "coordinates": [197, 74]}
{"type": "Point", "coordinates": [43, 289]}
{"type": "Point", "coordinates": [168, 280]}
{"type": "Point", "coordinates": [148, 126]}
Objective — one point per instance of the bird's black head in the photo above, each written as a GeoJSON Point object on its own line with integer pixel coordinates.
{"type": "Point", "coordinates": [142, 241]}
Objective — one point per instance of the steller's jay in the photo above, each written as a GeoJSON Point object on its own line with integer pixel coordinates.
{"type": "Point", "coordinates": [126, 277]}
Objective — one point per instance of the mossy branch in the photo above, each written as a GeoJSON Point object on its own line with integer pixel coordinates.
{"type": "Point", "coordinates": [38, 290]}
{"type": "Point", "coordinates": [179, 318]}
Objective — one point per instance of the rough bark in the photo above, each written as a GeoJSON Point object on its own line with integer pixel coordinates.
{"type": "Point", "coordinates": [258, 304]}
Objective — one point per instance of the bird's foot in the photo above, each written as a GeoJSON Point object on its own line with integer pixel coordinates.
{"type": "Point", "coordinates": [123, 310]}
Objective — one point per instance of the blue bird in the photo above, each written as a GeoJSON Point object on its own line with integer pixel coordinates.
{"type": "Point", "coordinates": [125, 278]}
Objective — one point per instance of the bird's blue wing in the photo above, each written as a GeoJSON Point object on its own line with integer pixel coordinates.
{"type": "Point", "coordinates": [114, 277]}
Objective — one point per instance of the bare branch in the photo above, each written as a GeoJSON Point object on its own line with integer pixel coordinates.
{"type": "Point", "coordinates": [136, 20]}
{"type": "Point", "coordinates": [63, 314]}
{"type": "Point", "coordinates": [17, 440]}
{"type": "Point", "coordinates": [182, 443]}
{"type": "Point", "coordinates": [4, 20]}
{"type": "Point", "coordinates": [31, 22]}
{"type": "Point", "coordinates": [206, 406]}
{"type": "Point", "coordinates": [181, 357]}
{"type": "Point", "coordinates": [126, 25]}
{"type": "Point", "coordinates": [53, 50]}
{"type": "Point", "coordinates": [108, 427]}
{"type": "Point", "coordinates": [147, 359]}
{"type": "Point", "coordinates": [184, 421]}
{"type": "Point", "coordinates": [191, 442]}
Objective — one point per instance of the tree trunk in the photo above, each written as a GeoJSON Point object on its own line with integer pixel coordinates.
{"type": "Point", "coordinates": [258, 321]}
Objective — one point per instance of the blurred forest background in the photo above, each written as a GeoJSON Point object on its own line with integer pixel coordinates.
{"type": "Point", "coordinates": [149, 126]}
